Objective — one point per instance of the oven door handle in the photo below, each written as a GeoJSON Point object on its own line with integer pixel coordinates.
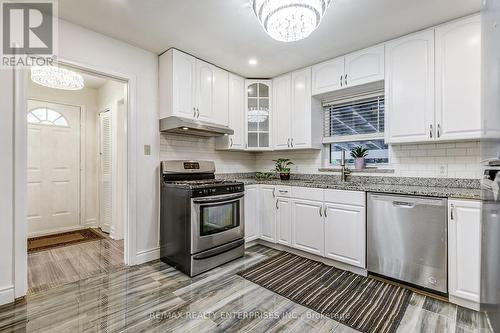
{"type": "Point", "coordinates": [221, 249]}
{"type": "Point", "coordinates": [219, 198]}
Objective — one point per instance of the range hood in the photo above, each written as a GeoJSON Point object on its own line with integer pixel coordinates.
{"type": "Point", "coordinates": [188, 126]}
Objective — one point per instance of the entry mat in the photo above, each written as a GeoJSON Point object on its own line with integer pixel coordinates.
{"type": "Point", "coordinates": [362, 303]}
{"type": "Point", "coordinates": [48, 242]}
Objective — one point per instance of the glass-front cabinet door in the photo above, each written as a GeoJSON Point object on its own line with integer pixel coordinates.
{"type": "Point", "coordinates": [258, 114]}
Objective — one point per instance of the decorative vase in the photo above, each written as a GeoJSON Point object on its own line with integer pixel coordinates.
{"type": "Point", "coordinates": [359, 163]}
{"type": "Point", "coordinates": [285, 176]}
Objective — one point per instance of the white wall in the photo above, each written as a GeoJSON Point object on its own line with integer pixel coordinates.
{"type": "Point", "coordinates": [6, 187]}
{"type": "Point", "coordinates": [89, 48]}
{"type": "Point", "coordinates": [461, 160]}
{"type": "Point", "coordinates": [175, 146]}
{"type": "Point", "coordinates": [87, 99]}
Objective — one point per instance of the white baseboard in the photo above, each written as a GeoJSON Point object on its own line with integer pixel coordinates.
{"type": "Point", "coordinates": [7, 295]}
{"type": "Point", "coordinates": [464, 302]}
{"type": "Point", "coordinates": [55, 231]}
{"type": "Point", "coordinates": [91, 223]}
{"type": "Point", "coordinates": [326, 261]}
{"type": "Point", "coordinates": [147, 255]}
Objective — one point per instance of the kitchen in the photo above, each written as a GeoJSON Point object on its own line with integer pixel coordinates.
{"type": "Point", "coordinates": [261, 183]}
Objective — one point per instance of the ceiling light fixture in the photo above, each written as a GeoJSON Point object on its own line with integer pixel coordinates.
{"type": "Point", "coordinates": [57, 78]}
{"type": "Point", "coordinates": [289, 20]}
{"type": "Point", "coordinates": [252, 62]}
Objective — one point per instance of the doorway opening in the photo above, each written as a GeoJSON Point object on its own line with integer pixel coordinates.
{"type": "Point", "coordinates": [76, 180]}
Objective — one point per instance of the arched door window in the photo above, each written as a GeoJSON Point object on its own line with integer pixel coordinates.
{"type": "Point", "coordinates": [46, 116]}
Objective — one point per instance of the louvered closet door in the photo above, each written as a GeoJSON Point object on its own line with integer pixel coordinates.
{"type": "Point", "coordinates": [105, 186]}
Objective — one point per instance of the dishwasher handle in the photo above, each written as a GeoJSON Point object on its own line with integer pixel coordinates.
{"type": "Point", "coordinates": [402, 201]}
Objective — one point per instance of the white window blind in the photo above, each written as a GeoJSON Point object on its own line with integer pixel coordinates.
{"type": "Point", "coordinates": [354, 118]}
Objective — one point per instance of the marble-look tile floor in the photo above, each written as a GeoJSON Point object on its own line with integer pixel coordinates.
{"type": "Point", "coordinates": [154, 297]}
{"type": "Point", "coordinates": [51, 268]}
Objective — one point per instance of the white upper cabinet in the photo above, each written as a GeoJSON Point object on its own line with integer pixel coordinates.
{"type": "Point", "coordinates": [302, 117]}
{"type": "Point", "coordinates": [205, 78]}
{"type": "Point", "coordinates": [282, 111]}
{"type": "Point", "coordinates": [221, 97]}
{"type": "Point", "coordinates": [458, 79]}
{"type": "Point", "coordinates": [409, 88]}
{"type": "Point", "coordinates": [177, 84]}
{"type": "Point", "coordinates": [464, 249]}
{"type": "Point", "coordinates": [258, 114]}
{"type": "Point", "coordinates": [237, 111]}
{"type": "Point", "coordinates": [192, 88]}
{"type": "Point", "coordinates": [328, 76]}
{"type": "Point", "coordinates": [364, 66]}
{"type": "Point", "coordinates": [361, 67]}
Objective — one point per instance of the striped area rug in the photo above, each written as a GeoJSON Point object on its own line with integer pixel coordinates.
{"type": "Point", "coordinates": [365, 304]}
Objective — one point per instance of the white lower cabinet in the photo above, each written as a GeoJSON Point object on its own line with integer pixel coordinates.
{"type": "Point", "coordinates": [252, 219]}
{"type": "Point", "coordinates": [345, 233]}
{"type": "Point", "coordinates": [267, 213]}
{"type": "Point", "coordinates": [308, 226]}
{"type": "Point", "coordinates": [283, 221]}
{"type": "Point", "coordinates": [464, 250]}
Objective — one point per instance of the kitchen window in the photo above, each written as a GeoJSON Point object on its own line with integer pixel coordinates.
{"type": "Point", "coordinates": [356, 121]}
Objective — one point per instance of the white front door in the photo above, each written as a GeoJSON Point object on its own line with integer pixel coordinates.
{"type": "Point", "coordinates": [53, 167]}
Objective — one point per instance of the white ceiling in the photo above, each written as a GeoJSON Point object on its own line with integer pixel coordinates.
{"type": "Point", "coordinates": [226, 32]}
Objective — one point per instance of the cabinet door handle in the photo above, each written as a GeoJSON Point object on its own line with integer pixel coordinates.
{"type": "Point", "coordinates": [274, 192]}
{"type": "Point", "coordinates": [198, 110]}
{"type": "Point", "coordinates": [452, 214]}
{"type": "Point", "coordinates": [320, 212]}
{"type": "Point", "coordinates": [341, 80]}
{"type": "Point", "coordinates": [346, 80]}
{"type": "Point", "coordinates": [439, 131]}
{"type": "Point", "coordinates": [291, 142]}
{"type": "Point", "coordinates": [194, 112]}
{"type": "Point", "coordinates": [430, 131]}
{"type": "Point", "coordinates": [277, 204]}
{"type": "Point", "coordinates": [324, 212]}
{"type": "Point", "coordinates": [231, 144]}
{"type": "Point", "coordinates": [288, 142]}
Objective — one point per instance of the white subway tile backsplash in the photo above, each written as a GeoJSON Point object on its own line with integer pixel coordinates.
{"type": "Point", "coordinates": [461, 159]}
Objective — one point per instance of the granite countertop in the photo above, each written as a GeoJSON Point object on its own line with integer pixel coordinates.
{"type": "Point", "coordinates": [425, 187]}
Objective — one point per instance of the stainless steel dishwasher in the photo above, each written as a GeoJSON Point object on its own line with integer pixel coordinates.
{"type": "Point", "coordinates": [407, 239]}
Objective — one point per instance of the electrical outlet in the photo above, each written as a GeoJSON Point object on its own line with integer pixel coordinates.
{"type": "Point", "coordinates": [443, 170]}
{"type": "Point", "coordinates": [147, 149]}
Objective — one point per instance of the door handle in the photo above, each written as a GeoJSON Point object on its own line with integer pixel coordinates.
{"type": "Point", "coordinates": [231, 142]}
{"type": "Point", "coordinates": [452, 214]}
{"type": "Point", "coordinates": [194, 112]}
{"type": "Point", "coordinates": [346, 80]}
{"type": "Point", "coordinates": [403, 204]}
{"type": "Point", "coordinates": [430, 131]}
{"type": "Point", "coordinates": [439, 131]}
{"type": "Point", "coordinates": [341, 80]}
{"type": "Point", "coordinates": [198, 111]}
{"type": "Point", "coordinates": [324, 212]}
{"type": "Point", "coordinates": [274, 192]}
{"type": "Point", "coordinates": [288, 142]}
{"type": "Point", "coordinates": [277, 204]}
{"type": "Point", "coordinates": [291, 142]}
{"type": "Point", "coordinates": [320, 212]}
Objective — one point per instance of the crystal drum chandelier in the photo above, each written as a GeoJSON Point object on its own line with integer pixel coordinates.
{"type": "Point", "coordinates": [57, 78]}
{"type": "Point", "coordinates": [290, 20]}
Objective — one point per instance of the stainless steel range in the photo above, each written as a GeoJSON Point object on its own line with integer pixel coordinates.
{"type": "Point", "coordinates": [202, 219]}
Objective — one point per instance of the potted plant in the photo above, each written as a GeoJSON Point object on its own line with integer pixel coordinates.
{"type": "Point", "coordinates": [282, 166]}
{"type": "Point", "coordinates": [359, 153]}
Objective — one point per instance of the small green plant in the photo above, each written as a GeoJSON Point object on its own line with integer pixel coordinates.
{"type": "Point", "coordinates": [282, 165]}
{"type": "Point", "coordinates": [359, 152]}
{"type": "Point", "coordinates": [264, 175]}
